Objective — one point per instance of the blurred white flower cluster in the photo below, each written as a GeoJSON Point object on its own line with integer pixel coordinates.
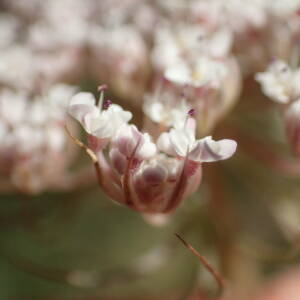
{"type": "Point", "coordinates": [33, 142]}
{"type": "Point", "coordinates": [281, 83]}
{"type": "Point", "coordinates": [165, 58]}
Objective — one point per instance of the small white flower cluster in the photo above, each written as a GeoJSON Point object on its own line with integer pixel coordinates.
{"type": "Point", "coordinates": [32, 137]}
{"type": "Point", "coordinates": [254, 26]}
{"type": "Point", "coordinates": [189, 55]}
{"type": "Point", "coordinates": [147, 176]}
{"type": "Point", "coordinates": [281, 83]}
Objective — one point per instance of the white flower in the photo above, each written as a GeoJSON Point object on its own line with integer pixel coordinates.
{"type": "Point", "coordinates": [97, 122]}
{"type": "Point", "coordinates": [205, 71]}
{"type": "Point", "coordinates": [279, 82]}
{"type": "Point", "coordinates": [182, 142]}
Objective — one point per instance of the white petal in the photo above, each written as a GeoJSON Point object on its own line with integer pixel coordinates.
{"type": "Point", "coordinates": [101, 124]}
{"type": "Point", "coordinates": [164, 144]}
{"type": "Point", "coordinates": [147, 148]}
{"type": "Point", "coordinates": [155, 111]}
{"type": "Point", "coordinates": [216, 150]}
{"type": "Point", "coordinates": [126, 140]}
{"type": "Point", "coordinates": [80, 105]}
{"type": "Point", "coordinates": [180, 141]}
{"type": "Point", "coordinates": [179, 73]}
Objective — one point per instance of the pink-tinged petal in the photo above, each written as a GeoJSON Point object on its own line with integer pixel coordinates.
{"type": "Point", "coordinates": [136, 134]}
{"type": "Point", "coordinates": [127, 139]}
{"type": "Point", "coordinates": [96, 144]}
{"type": "Point", "coordinates": [109, 182]}
{"type": "Point", "coordinates": [195, 172]}
{"type": "Point", "coordinates": [154, 175]}
{"type": "Point", "coordinates": [217, 150]}
{"type": "Point", "coordinates": [191, 168]}
{"type": "Point", "coordinates": [118, 160]}
{"type": "Point", "coordinates": [132, 143]}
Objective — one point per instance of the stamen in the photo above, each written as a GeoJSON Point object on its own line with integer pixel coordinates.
{"type": "Point", "coordinates": [107, 104]}
{"type": "Point", "coordinates": [101, 89]}
{"type": "Point", "coordinates": [192, 112]}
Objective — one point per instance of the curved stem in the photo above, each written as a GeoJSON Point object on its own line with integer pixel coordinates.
{"type": "Point", "coordinates": [101, 179]}
{"type": "Point", "coordinates": [217, 276]}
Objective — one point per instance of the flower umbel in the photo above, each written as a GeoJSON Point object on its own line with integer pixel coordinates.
{"type": "Point", "coordinates": [146, 176]}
